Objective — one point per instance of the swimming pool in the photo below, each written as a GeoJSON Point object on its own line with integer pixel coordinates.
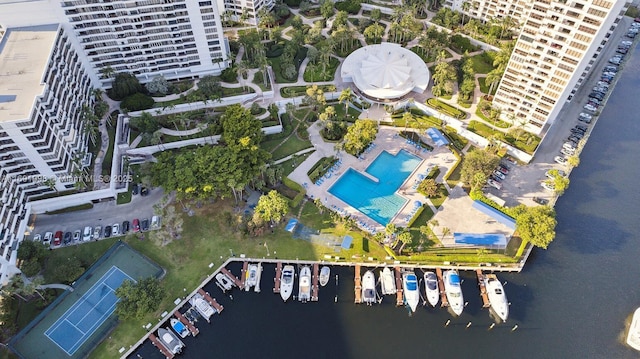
{"type": "Point", "coordinates": [376, 197]}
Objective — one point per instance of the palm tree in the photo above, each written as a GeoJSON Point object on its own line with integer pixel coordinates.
{"type": "Point", "coordinates": [107, 72]}
{"type": "Point", "coordinates": [445, 232]}
{"type": "Point", "coordinates": [493, 78]}
{"type": "Point", "coordinates": [465, 7]}
{"type": "Point", "coordinates": [404, 238]}
{"type": "Point", "coordinates": [346, 96]}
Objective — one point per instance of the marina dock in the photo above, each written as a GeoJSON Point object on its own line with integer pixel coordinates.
{"type": "Point", "coordinates": [156, 342]}
{"type": "Point", "coordinates": [483, 289]}
{"type": "Point", "coordinates": [192, 328]}
{"type": "Point", "coordinates": [358, 287]}
{"type": "Point", "coordinates": [314, 287]}
{"type": "Point", "coordinates": [211, 301]}
{"type": "Point", "coordinates": [276, 280]}
{"type": "Point", "coordinates": [243, 274]}
{"type": "Point", "coordinates": [235, 279]}
{"type": "Point", "coordinates": [443, 295]}
{"type": "Point", "coordinates": [399, 296]}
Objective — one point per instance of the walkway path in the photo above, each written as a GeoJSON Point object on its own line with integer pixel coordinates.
{"type": "Point", "coordinates": [56, 286]}
{"type": "Point", "coordinates": [104, 143]}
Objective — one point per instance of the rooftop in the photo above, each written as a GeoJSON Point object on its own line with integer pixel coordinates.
{"type": "Point", "coordinates": [24, 53]}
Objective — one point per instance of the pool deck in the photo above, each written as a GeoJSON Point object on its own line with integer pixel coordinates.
{"type": "Point", "coordinates": [387, 140]}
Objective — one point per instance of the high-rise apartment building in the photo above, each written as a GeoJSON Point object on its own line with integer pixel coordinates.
{"type": "Point", "coordinates": [244, 10]}
{"type": "Point", "coordinates": [43, 87]}
{"type": "Point", "coordinates": [556, 47]}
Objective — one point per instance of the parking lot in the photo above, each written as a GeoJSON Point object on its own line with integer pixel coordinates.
{"type": "Point", "coordinates": [524, 182]}
{"type": "Point", "coordinates": [102, 214]}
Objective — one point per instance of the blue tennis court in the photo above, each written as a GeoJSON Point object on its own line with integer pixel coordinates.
{"type": "Point", "coordinates": [77, 324]}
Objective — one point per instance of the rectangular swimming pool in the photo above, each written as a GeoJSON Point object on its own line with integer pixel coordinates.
{"type": "Point", "coordinates": [376, 197]}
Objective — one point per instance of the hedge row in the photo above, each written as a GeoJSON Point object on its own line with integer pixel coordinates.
{"type": "Point", "coordinates": [320, 168]}
{"type": "Point", "coordinates": [446, 108]}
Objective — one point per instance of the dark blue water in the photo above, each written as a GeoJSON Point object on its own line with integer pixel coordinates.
{"type": "Point", "coordinates": [571, 301]}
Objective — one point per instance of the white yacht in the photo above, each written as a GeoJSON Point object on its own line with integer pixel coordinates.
{"type": "Point", "coordinates": [454, 291]}
{"type": "Point", "coordinates": [497, 297]}
{"type": "Point", "coordinates": [431, 290]}
{"type": "Point", "coordinates": [633, 338]}
{"type": "Point", "coordinates": [304, 293]}
{"type": "Point", "coordinates": [251, 278]}
{"type": "Point", "coordinates": [369, 288]}
{"type": "Point", "coordinates": [387, 281]}
{"type": "Point", "coordinates": [202, 307]}
{"type": "Point", "coordinates": [325, 273]}
{"type": "Point", "coordinates": [411, 292]}
{"type": "Point", "coordinates": [286, 282]}
{"type": "Point", "coordinates": [170, 340]}
{"type": "Point", "coordinates": [223, 282]}
{"type": "Point", "coordinates": [178, 327]}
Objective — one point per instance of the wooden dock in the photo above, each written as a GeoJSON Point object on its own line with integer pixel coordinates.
{"type": "Point", "coordinates": [192, 328]}
{"type": "Point", "coordinates": [358, 287]}
{"type": "Point", "coordinates": [443, 295]}
{"type": "Point", "coordinates": [243, 274]}
{"type": "Point", "coordinates": [156, 342]}
{"type": "Point", "coordinates": [314, 281]}
{"type": "Point", "coordinates": [483, 289]}
{"type": "Point", "coordinates": [399, 296]}
{"type": "Point", "coordinates": [235, 279]}
{"type": "Point", "coordinates": [276, 280]}
{"type": "Point", "coordinates": [211, 301]}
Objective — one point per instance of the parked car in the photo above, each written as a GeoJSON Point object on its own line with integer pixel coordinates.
{"type": "Point", "coordinates": [582, 127]}
{"type": "Point", "coordinates": [37, 238]}
{"type": "Point", "coordinates": [603, 85]}
{"type": "Point", "coordinates": [622, 50]}
{"type": "Point", "coordinates": [115, 229]}
{"type": "Point", "coordinates": [541, 201]}
{"type": "Point", "coordinates": [560, 159]}
{"type": "Point", "coordinates": [548, 185]}
{"type": "Point", "coordinates": [616, 60]}
{"type": "Point", "coordinates": [502, 169]}
{"type": "Point", "coordinates": [591, 108]}
{"type": "Point", "coordinates": [107, 231]}
{"type": "Point", "coordinates": [144, 191]}
{"type": "Point", "coordinates": [550, 173]}
{"type": "Point", "coordinates": [86, 235]}
{"type": "Point", "coordinates": [57, 238]}
{"type": "Point", "coordinates": [76, 235]}
{"type": "Point", "coordinates": [136, 225]}
{"type": "Point", "coordinates": [47, 238]}
{"type": "Point", "coordinates": [610, 68]}
{"type": "Point", "coordinates": [97, 232]}
{"type": "Point", "coordinates": [567, 152]}
{"type": "Point", "coordinates": [569, 145]}
{"type": "Point", "coordinates": [125, 227]}
{"type": "Point", "coordinates": [626, 42]}
{"type": "Point", "coordinates": [155, 222]}
{"type": "Point", "coordinates": [609, 74]}
{"type": "Point", "coordinates": [606, 80]}
{"type": "Point", "coordinates": [631, 34]}
{"type": "Point", "coordinates": [494, 184]}
{"type": "Point", "coordinates": [66, 239]}
{"type": "Point", "coordinates": [144, 224]}
{"type": "Point", "coordinates": [499, 175]}
{"type": "Point", "coordinates": [601, 89]}
{"type": "Point", "coordinates": [574, 138]}
{"type": "Point", "coordinates": [136, 189]}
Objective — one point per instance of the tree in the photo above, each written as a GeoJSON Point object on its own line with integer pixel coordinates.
{"type": "Point", "coordinates": [65, 269]}
{"type": "Point", "coordinates": [125, 85]}
{"type": "Point", "coordinates": [326, 9]}
{"type": "Point", "coordinates": [145, 123]}
{"type": "Point", "coordinates": [373, 33]}
{"type": "Point", "coordinates": [536, 225]}
{"type": "Point", "coordinates": [271, 207]}
{"type": "Point", "coordinates": [315, 97]}
{"type": "Point", "coordinates": [405, 238]}
{"type": "Point", "coordinates": [138, 299]}
{"type": "Point", "coordinates": [107, 72]}
{"type": "Point", "coordinates": [136, 102]}
{"type": "Point", "coordinates": [428, 187]}
{"type": "Point", "coordinates": [478, 161]}
{"type": "Point", "coordinates": [158, 85]}
{"type": "Point", "coordinates": [210, 87]}
{"type": "Point", "coordinates": [493, 78]}
{"type": "Point", "coordinates": [573, 161]}
{"type": "Point", "coordinates": [375, 15]}
{"type": "Point", "coordinates": [465, 8]}
{"type": "Point", "coordinates": [359, 136]}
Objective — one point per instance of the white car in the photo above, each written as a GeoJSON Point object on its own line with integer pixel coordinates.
{"type": "Point", "coordinates": [548, 185]}
{"type": "Point", "coordinates": [37, 237]}
{"type": "Point", "coordinates": [590, 107]}
{"type": "Point", "coordinates": [155, 222]}
{"type": "Point", "coordinates": [585, 116]}
{"type": "Point", "coordinates": [97, 232]}
{"type": "Point", "coordinates": [550, 175]}
{"type": "Point", "coordinates": [494, 184]}
{"type": "Point", "coordinates": [76, 235]}
{"type": "Point", "coordinates": [567, 152]}
{"type": "Point", "coordinates": [115, 230]}
{"type": "Point", "coordinates": [569, 145]}
{"type": "Point", "coordinates": [47, 238]}
{"type": "Point", "coordinates": [86, 235]}
{"type": "Point", "coordinates": [603, 84]}
{"type": "Point", "coordinates": [560, 159]}
{"type": "Point", "coordinates": [499, 175]}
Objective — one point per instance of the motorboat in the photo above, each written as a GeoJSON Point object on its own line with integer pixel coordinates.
{"type": "Point", "coordinates": [387, 281]}
{"type": "Point", "coordinates": [411, 292]}
{"type": "Point", "coordinates": [633, 338]}
{"type": "Point", "coordinates": [304, 290]}
{"type": "Point", "coordinates": [179, 327]}
{"type": "Point", "coordinates": [170, 340]}
{"type": "Point", "coordinates": [369, 288]}
{"type": "Point", "coordinates": [224, 282]}
{"type": "Point", "coordinates": [497, 297]}
{"type": "Point", "coordinates": [251, 278]}
{"type": "Point", "coordinates": [202, 307]}
{"type": "Point", "coordinates": [431, 290]}
{"type": "Point", "coordinates": [286, 282]}
{"type": "Point", "coordinates": [325, 272]}
{"type": "Point", "coordinates": [454, 291]}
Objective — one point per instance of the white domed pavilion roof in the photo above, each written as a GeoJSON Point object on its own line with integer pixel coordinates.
{"type": "Point", "coordinates": [385, 71]}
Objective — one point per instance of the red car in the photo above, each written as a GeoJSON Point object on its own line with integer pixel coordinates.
{"type": "Point", "coordinates": [57, 238]}
{"type": "Point", "coordinates": [136, 225]}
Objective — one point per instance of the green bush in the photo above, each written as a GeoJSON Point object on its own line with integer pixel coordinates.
{"type": "Point", "coordinates": [230, 74]}
{"type": "Point", "coordinates": [446, 108]}
{"type": "Point", "coordinates": [293, 3]}
{"type": "Point", "coordinates": [137, 102]}
{"type": "Point", "coordinates": [295, 202]}
{"type": "Point", "coordinates": [415, 216]}
{"type": "Point", "coordinates": [352, 7]}
{"type": "Point", "coordinates": [293, 185]}
{"type": "Point", "coordinates": [462, 44]}
{"type": "Point", "coordinates": [124, 85]}
{"type": "Point", "coordinates": [275, 50]}
{"type": "Point", "coordinates": [320, 168]}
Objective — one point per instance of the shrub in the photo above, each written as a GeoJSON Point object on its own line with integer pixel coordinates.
{"type": "Point", "coordinates": [293, 3]}
{"type": "Point", "coordinates": [274, 50]}
{"type": "Point", "coordinates": [352, 7]}
{"type": "Point", "coordinates": [230, 74]}
{"type": "Point", "coordinates": [137, 102]}
{"type": "Point", "coordinates": [124, 85]}
{"type": "Point", "coordinates": [462, 44]}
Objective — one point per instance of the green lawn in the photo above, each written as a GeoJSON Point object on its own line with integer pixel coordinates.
{"type": "Point", "coordinates": [340, 114]}
{"type": "Point", "coordinates": [484, 88]}
{"type": "Point", "coordinates": [292, 145]}
{"type": "Point", "coordinates": [481, 64]}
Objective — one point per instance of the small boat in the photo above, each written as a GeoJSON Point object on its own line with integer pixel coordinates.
{"type": "Point", "coordinates": [286, 282]}
{"type": "Point", "coordinates": [202, 307]}
{"type": "Point", "coordinates": [633, 338]}
{"type": "Point", "coordinates": [411, 293]}
{"type": "Point", "coordinates": [223, 282]}
{"type": "Point", "coordinates": [431, 290]}
{"type": "Point", "coordinates": [325, 272]}
{"type": "Point", "coordinates": [454, 291]}
{"type": "Point", "coordinates": [179, 328]}
{"type": "Point", "coordinates": [497, 297]}
{"type": "Point", "coordinates": [251, 278]}
{"type": "Point", "coordinates": [170, 340]}
{"type": "Point", "coordinates": [304, 290]}
{"type": "Point", "coordinates": [190, 316]}
{"type": "Point", "coordinates": [387, 281]}
{"type": "Point", "coordinates": [369, 288]}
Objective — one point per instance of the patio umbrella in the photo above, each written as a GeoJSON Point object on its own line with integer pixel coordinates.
{"type": "Point", "coordinates": [417, 204]}
{"type": "Point", "coordinates": [421, 176]}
